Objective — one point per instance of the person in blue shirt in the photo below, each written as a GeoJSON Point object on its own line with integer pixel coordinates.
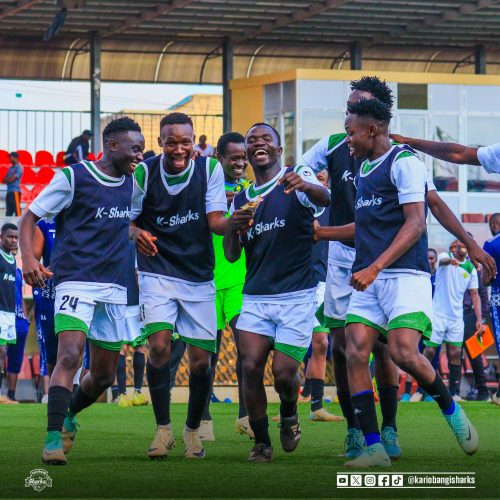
{"type": "Point", "coordinates": [492, 247]}
{"type": "Point", "coordinates": [13, 181]}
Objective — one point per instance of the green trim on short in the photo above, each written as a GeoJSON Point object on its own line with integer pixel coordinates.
{"type": "Point", "coordinates": [7, 342]}
{"type": "Point", "coordinates": [66, 323]}
{"type": "Point", "coordinates": [207, 345]}
{"type": "Point", "coordinates": [321, 329]}
{"type": "Point", "coordinates": [416, 321]}
{"type": "Point", "coordinates": [108, 346]}
{"type": "Point", "coordinates": [294, 352]}
{"type": "Point", "coordinates": [429, 343]}
{"type": "Point", "coordinates": [353, 318]}
{"type": "Point", "coordinates": [139, 341]}
{"type": "Point", "coordinates": [456, 344]}
{"type": "Point", "coordinates": [334, 322]}
{"type": "Point", "coordinates": [151, 328]}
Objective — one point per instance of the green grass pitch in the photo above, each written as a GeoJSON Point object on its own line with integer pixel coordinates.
{"type": "Point", "coordinates": [109, 457]}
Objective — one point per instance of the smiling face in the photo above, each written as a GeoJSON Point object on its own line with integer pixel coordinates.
{"type": "Point", "coordinates": [177, 142]}
{"type": "Point", "coordinates": [262, 147]}
{"type": "Point", "coordinates": [125, 151]}
{"type": "Point", "coordinates": [234, 161]}
{"type": "Point", "coordinates": [360, 135]}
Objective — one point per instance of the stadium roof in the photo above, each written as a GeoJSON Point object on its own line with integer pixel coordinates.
{"type": "Point", "coordinates": [180, 40]}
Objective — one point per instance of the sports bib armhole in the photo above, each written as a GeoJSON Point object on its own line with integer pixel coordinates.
{"type": "Point", "coordinates": [68, 172]}
{"type": "Point", "coordinates": [140, 176]}
{"type": "Point", "coordinates": [212, 163]}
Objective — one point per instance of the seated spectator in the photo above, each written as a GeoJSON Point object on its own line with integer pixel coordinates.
{"type": "Point", "coordinates": [78, 148]}
{"type": "Point", "coordinates": [13, 181]}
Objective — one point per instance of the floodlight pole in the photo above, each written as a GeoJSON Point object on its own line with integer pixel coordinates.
{"type": "Point", "coordinates": [355, 55]}
{"type": "Point", "coordinates": [227, 75]}
{"type": "Point", "coordinates": [480, 60]}
{"type": "Point", "coordinates": [95, 91]}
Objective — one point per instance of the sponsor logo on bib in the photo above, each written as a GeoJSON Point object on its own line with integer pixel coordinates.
{"type": "Point", "coordinates": [9, 277]}
{"type": "Point", "coordinates": [177, 220]}
{"type": "Point", "coordinates": [371, 202]}
{"type": "Point", "coordinates": [347, 176]}
{"type": "Point", "coordinates": [112, 213]}
{"type": "Point", "coordinates": [262, 227]}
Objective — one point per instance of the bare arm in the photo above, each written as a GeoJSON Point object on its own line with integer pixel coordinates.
{"type": "Point", "coordinates": [447, 151]}
{"type": "Point", "coordinates": [239, 222]}
{"type": "Point", "coordinates": [476, 304]}
{"type": "Point", "coordinates": [447, 219]}
{"type": "Point", "coordinates": [316, 193]}
{"type": "Point", "coordinates": [217, 222]}
{"type": "Point", "coordinates": [38, 243]}
{"type": "Point", "coordinates": [34, 273]}
{"type": "Point", "coordinates": [407, 236]}
{"type": "Point", "coordinates": [333, 233]}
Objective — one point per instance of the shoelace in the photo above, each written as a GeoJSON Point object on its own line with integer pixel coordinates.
{"type": "Point", "coordinates": [458, 424]}
{"type": "Point", "coordinates": [390, 437]}
{"type": "Point", "coordinates": [351, 441]}
{"type": "Point", "coordinates": [73, 427]}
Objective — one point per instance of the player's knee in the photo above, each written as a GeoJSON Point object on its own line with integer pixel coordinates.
{"type": "Point", "coordinates": [69, 359]}
{"type": "Point", "coordinates": [320, 345]}
{"type": "Point", "coordinates": [251, 368]}
{"type": "Point", "coordinates": [159, 353]}
{"type": "Point", "coordinates": [199, 366]}
{"type": "Point", "coordinates": [103, 379]}
{"type": "Point", "coordinates": [339, 351]}
{"type": "Point", "coordinates": [404, 357]}
{"type": "Point", "coordinates": [356, 354]}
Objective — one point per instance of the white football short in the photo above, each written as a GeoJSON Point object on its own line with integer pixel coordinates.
{"type": "Point", "coordinates": [446, 331]}
{"type": "Point", "coordinates": [7, 328]}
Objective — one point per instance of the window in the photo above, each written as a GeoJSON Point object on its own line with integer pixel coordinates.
{"type": "Point", "coordinates": [482, 131]}
{"type": "Point", "coordinates": [412, 96]}
{"type": "Point", "coordinates": [445, 129]}
{"type": "Point", "coordinates": [318, 123]}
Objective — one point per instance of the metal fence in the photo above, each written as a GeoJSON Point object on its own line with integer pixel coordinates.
{"type": "Point", "coordinates": [35, 130]}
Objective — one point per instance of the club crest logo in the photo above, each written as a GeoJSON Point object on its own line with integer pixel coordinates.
{"type": "Point", "coordinates": [38, 479]}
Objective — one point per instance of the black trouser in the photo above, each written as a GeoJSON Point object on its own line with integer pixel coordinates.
{"type": "Point", "coordinates": [13, 204]}
{"type": "Point", "coordinates": [477, 363]}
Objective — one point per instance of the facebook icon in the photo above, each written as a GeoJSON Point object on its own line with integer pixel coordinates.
{"type": "Point", "coordinates": [384, 480]}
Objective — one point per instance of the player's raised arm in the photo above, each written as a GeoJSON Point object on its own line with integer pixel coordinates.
{"type": "Point", "coordinates": [303, 180]}
{"type": "Point", "coordinates": [447, 151]}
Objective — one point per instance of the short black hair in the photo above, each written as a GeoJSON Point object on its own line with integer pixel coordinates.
{"type": "Point", "coordinates": [377, 87]}
{"type": "Point", "coordinates": [226, 138]}
{"type": "Point", "coordinates": [15, 154]}
{"type": "Point", "coordinates": [119, 125]}
{"type": "Point", "coordinates": [433, 251]}
{"type": "Point", "coordinates": [372, 108]}
{"type": "Point", "coordinates": [8, 226]}
{"type": "Point", "coordinates": [494, 216]}
{"type": "Point", "coordinates": [176, 119]}
{"type": "Point", "coordinates": [260, 124]}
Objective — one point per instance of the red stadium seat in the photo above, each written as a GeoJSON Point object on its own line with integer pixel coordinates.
{"type": "Point", "coordinates": [25, 373]}
{"type": "Point", "coordinates": [25, 158]}
{"type": "Point", "coordinates": [474, 218]}
{"type": "Point", "coordinates": [3, 172]}
{"type": "Point", "coordinates": [35, 364]}
{"type": "Point", "coordinates": [4, 158]}
{"type": "Point", "coordinates": [91, 157]}
{"type": "Point", "coordinates": [44, 159]}
{"type": "Point", "coordinates": [29, 176]}
{"type": "Point", "coordinates": [45, 175]}
{"type": "Point", "coordinates": [36, 190]}
{"type": "Point", "coordinates": [60, 159]}
{"type": "Point", "coordinates": [99, 156]}
{"type": "Point", "coordinates": [26, 194]}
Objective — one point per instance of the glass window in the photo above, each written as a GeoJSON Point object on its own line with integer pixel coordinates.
{"type": "Point", "coordinates": [482, 131]}
{"type": "Point", "coordinates": [289, 96]}
{"type": "Point", "coordinates": [412, 125]}
{"type": "Point", "coordinates": [272, 98]}
{"type": "Point", "coordinates": [445, 129]}
{"type": "Point", "coordinates": [289, 139]}
{"type": "Point", "coordinates": [412, 96]}
{"type": "Point", "coordinates": [318, 123]}
{"type": "Point", "coordinates": [322, 94]}
{"type": "Point", "coordinates": [444, 97]}
{"type": "Point", "coordinates": [482, 98]}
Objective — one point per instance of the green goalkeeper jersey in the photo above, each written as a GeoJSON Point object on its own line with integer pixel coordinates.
{"type": "Point", "coordinates": [227, 274]}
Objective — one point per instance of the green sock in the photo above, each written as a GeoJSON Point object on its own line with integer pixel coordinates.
{"type": "Point", "coordinates": [53, 439]}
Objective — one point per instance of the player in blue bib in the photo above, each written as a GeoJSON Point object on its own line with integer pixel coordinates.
{"type": "Point", "coordinates": [8, 245]}
{"type": "Point", "coordinates": [178, 203]}
{"type": "Point", "coordinates": [273, 221]}
{"type": "Point", "coordinates": [389, 271]}
{"type": "Point", "coordinates": [91, 203]}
